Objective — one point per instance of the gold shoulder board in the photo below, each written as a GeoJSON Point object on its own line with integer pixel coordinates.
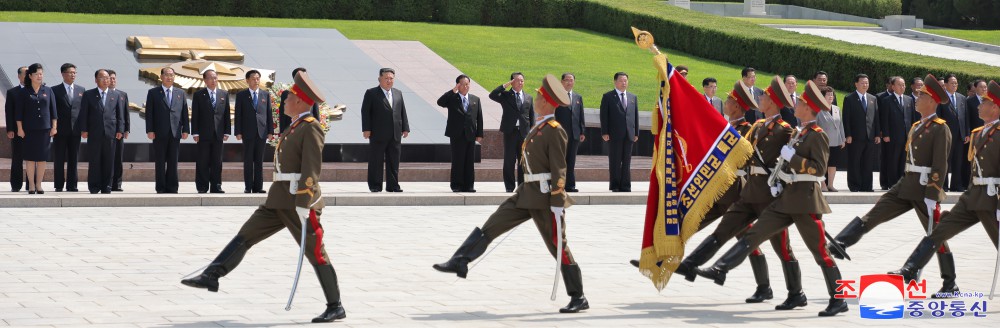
{"type": "Point", "coordinates": [554, 123]}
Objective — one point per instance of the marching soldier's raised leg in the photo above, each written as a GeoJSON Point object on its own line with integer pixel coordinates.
{"type": "Point", "coordinates": [262, 224]}
{"type": "Point", "coordinates": [572, 276]}
{"type": "Point", "coordinates": [506, 217]}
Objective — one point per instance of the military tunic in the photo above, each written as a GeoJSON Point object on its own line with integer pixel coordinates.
{"type": "Point", "coordinates": [801, 203]}
{"type": "Point", "coordinates": [733, 194]}
{"type": "Point", "coordinates": [767, 137]}
{"type": "Point", "coordinates": [928, 146]}
{"type": "Point", "coordinates": [975, 205]}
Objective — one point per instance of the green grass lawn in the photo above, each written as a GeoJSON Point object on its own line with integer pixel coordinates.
{"type": "Point", "coordinates": [811, 22]}
{"type": "Point", "coordinates": [487, 54]}
{"type": "Point", "coordinates": [990, 37]}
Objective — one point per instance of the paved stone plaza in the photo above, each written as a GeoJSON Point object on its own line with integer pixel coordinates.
{"type": "Point", "coordinates": [109, 267]}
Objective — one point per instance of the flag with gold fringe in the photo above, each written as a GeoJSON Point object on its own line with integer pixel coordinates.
{"type": "Point", "coordinates": [695, 157]}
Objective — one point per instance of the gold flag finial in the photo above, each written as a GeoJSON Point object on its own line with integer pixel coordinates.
{"type": "Point", "coordinates": [644, 40]}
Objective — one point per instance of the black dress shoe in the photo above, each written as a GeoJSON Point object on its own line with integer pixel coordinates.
{"type": "Point", "coordinates": [836, 306]}
{"type": "Point", "coordinates": [470, 190]}
{"type": "Point", "coordinates": [576, 305]}
{"type": "Point", "coordinates": [572, 190]}
{"type": "Point", "coordinates": [626, 190]}
{"type": "Point", "coordinates": [616, 190]}
{"type": "Point", "coordinates": [106, 191]}
{"type": "Point", "coordinates": [260, 191]}
{"type": "Point", "coordinates": [246, 191]}
{"type": "Point", "coordinates": [72, 190]}
{"type": "Point", "coordinates": [202, 191]}
{"type": "Point", "coordinates": [218, 191]}
{"type": "Point", "coordinates": [58, 189]}
{"type": "Point", "coordinates": [207, 281]}
{"type": "Point", "coordinates": [793, 301]}
{"type": "Point", "coordinates": [510, 190]}
{"type": "Point", "coordinates": [333, 312]}
{"type": "Point", "coordinates": [375, 190]}
{"type": "Point", "coordinates": [94, 192]}
{"type": "Point", "coordinates": [456, 190]}
{"type": "Point", "coordinates": [117, 189]}
{"type": "Point", "coordinates": [31, 192]}
{"type": "Point", "coordinates": [40, 192]}
{"type": "Point", "coordinates": [395, 190]}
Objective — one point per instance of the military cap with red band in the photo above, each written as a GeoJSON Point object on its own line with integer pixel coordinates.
{"type": "Point", "coordinates": [993, 92]}
{"type": "Point", "coordinates": [935, 89]}
{"type": "Point", "coordinates": [778, 93]}
{"type": "Point", "coordinates": [742, 97]}
{"type": "Point", "coordinates": [305, 89]}
{"type": "Point", "coordinates": [553, 92]}
{"type": "Point", "coordinates": [813, 97]}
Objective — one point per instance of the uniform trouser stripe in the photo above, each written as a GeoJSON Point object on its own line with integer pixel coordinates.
{"type": "Point", "coordinates": [556, 239]}
{"type": "Point", "coordinates": [318, 230]}
{"type": "Point", "coordinates": [822, 241]}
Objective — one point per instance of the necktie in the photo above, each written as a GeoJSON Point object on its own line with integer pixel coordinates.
{"type": "Point", "coordinates": [570, 94]}
{"type": "Point", "coordinates": [900, 100]}
{"type": "Point", "coordinates": [795, 100]}
{"type": "Point", "coordinates": [212, 94]}
{"type": "Point", "coordinates": [624, 105]}
{"type": "Point", "coordinates": [465, 104]}
{"type": "Point", "coordinates": [953, 105]}
{"type": "Point", "coordinates": [388, 96]}
{"type": "Point", "coordinates": [103, 97]}
{"type": "Point", "coordinates": [254, 101]}
{"type": "Point", "coordinates": [169, 99]}
{"type": "Point", "coordinates": [864, 102]}
{"type": "Point", "coordinates": [69, 92]}
{"type": "Point", "coordinates": [518, 95]}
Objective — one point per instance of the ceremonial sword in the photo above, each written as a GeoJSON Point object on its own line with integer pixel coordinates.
{"type": "Point", "coordinates": [559, 251]}
{"type": "Point", "coordinates": [995, 269]}
{"type": "Point", "coordinates": [298, 269]}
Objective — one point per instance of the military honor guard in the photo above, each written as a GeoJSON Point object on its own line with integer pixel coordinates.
{"type": "Point", "coordinates": [767, 135]}
{"type": "Point", "coordinates": [921, 188]}
{"type": "Point", "coordinates": [541, 198]}
{"type": "Point", "coordinates": [979, 203]}
{"type": "Point", "coordinates": [800, 201]}
{"type": "Point", "coordinates": [294, 202]}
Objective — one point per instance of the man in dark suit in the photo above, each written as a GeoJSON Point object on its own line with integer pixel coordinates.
{"type": "Point", "coordinates": [749, 77]}
{"type": "Point", "coordinates": [517, 119]}
{"type": "Point", "coordinates": [464, 129]}
{"type": "Point", "coordinates": [116, 180]}
{"type": "Point", "coordinates": [788, 113]}
{"type": "Point", "coordinates": [166, 125]}
{"type": "Point", "coordinates": [861, 126]}
{"type": "Point", "coordinates": [620, 129]}
{"type": "Point", "coordinates": [210, 126]}
{"type": "Point", "coordinates": [895, 116]}
{"type": "Point", "coordinates": [101, 124]}
{"type": "Point", "coordinates": [67, 140]}
{"type": "Point", "coordinates": [16, 143]}
{"type": "Point", "coordinates": [253, 125]}
{"type": "Point", "coordinates": [572, 120]}
{"type": "Point", "coordinates": [972, 103]}
{"type": "Point", "coordinates": [708, 88]}
{"type": "Point", "coordinates": [384, 124]}
{"type": "Point", "coordinates": [821, 79]}
{"type": "Point", "coordinates": [283, 120]}
{"type": "Point", "coordinates": [916, 84]}
{"type": "Point", "coordinates": [956, 115]}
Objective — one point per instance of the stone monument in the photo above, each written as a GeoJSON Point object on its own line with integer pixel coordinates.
{"type": "Point", "coordinates": [754, 8]}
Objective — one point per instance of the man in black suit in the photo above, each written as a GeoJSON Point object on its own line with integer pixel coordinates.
{"type": "Point", "coordinates": [861, 127]}
{"type": "Point", "coordinates": [821, 78]}
{"type": "Point", "coordinates": [464, 129]}
{"type": "Point", "coordinates": [116, 179]}
{"type": "Point", "coordinates": [749, 77]}
{"type": "Point", "coordinates": [956, 115]}
{"type": "Point", "coordinates": [896, 116]}
{"type": "Point", "coordinates": [788, 113]}
{"type": "Point", "coordinates": [67, 139]}
{"type": "Point", "coordinates": [517, 119]}
{"type": "Point", "coordinates": [972, 103]}
{"type": "Point", "coordinates": [253, 125]}
{"type": "Point", "coordinates": [384, 124]}
{"type": "Point", "coordinates": [620, 129]}
{"type": "Point", "coordinates": [572, 120]}
{"type": "Point", "coordinates": [101, 124]}
{"type": "Point", "coordinates": [16, 143]}
{"type": "Point", "coordinates": [283, 120]}
{"type": "Point", "coordinates": [166, 125]}
{"type": "Point", "coordinates": [210, 126]}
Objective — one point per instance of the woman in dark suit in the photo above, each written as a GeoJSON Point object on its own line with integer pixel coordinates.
{"type": "Point", "coordinates": [36, 123]}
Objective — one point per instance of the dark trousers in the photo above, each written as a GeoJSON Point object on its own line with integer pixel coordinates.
{"type": "Point", "coordinates": [208, 169]}
{"type": "Point", "coordinates": [67, 157]}
{"type": "Point", "coordinates": [893, 163]}
{"type": "Point", "coordinates": [101, 153]}
{"type": "Point", "coordinates": [620, 163]}
{"type": "Point", "coordinates": [17, 164]}
{"type": "Point", "coordinates": [811, 227]}
{"type": "Point", "coordinates": [253, 161]}
{"type": "Point", "coordinates": [165, 153]}
{"type": "Point", "coordinates": [571, 148]}
{"type": "Point", "coordinates": [966, 168]}
{"type": "Point", "coordinates": [463, 159]}
{"type": "Point", "coordinates": [860, 157]}
{"type": "Point", "coordinates": [117, 170]}
{"type": "Point", "coordinates": [960, 218]}
{"type": "Point", "coordinates": [956, 159]}
{"type": "Point", "coordinates": [511, 158]}
{"type": "Point", "coordinates": [384, 153]}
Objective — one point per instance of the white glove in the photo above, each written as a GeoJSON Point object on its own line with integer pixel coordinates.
{"type": "Point", "coordinates": [557, 210]}
{"type": "Point", "coordinates": [776, 190]}
{"type": "Point", "coordinates": [931, 205]}
{"type": "Point", "coordinates": [787, 152]}
{"type": "Point", "coordinates": [303, 214]}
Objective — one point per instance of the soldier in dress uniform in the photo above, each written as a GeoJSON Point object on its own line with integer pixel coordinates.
{"type": "Point", "coordinates": [294, 200]}
{"type": "Point", "coordinates": [541, 198]}
{"type": "Point", "coordinates": [979, 203]}
{"type": "Point", "coordinates": [767, 135]}
{"type": "Point", "coordinates": [800, 200]}
{"type": "Point", "coordinates": [920, 189]}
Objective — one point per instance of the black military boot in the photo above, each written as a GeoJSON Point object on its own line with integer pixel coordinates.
{"type": "Point", "coordinates": [848, 237]}
{"type": "Point", "coordinates": [574, 288]}
{"type": "Point", "coordinates": [732, 258]}
{"type": "Point", "coordinates": [227, 260]}
{"type": "Point", "coordinates": [472, 248]}
{"type": "Point", "coordinates": [948, 287]}
{"type": "Point", "coordinates": [793, 281]}
{"type": "Point", "coordinates": [917, 260]}
{"type": "Point", "coordinates": [836, 305]}
{"type": "Point", "coordinates": [701, 254]}
{"type": "Point", "coordinates": [759, 265]}
{"type": "Point", "coordinates": [331, 290]}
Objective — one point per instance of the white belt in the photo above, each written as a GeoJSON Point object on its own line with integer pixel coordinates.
{"type": "Point", "coordinates": [537, 177]}
{"type": "Point", "coordinates": [757, 170]}
{"type": "Point", "coordinates": [741, 173]}
{"type": "Point", "coordinates": [923, 170]}
{"type": "Point", "coordinates": [992, 184]}
{"type": "Point", "coordinates": [792, 178]}
{"type": "Point", "coordinates": [292, 178]}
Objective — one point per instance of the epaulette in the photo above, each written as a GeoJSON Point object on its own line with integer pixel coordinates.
{"type": "Point", "coordinates": [744, 123]}
{"type": "Point", "coordinates": [554, 123]}
{"type": "Point", "coordinates": [977, 130]}
{"type": "Point", "coordinates": [309, 119]}
{"type": "Point", "coordinates": [939, 120]}
{"type": "Point", "coordinates": [784, 124]}
{"type": "Point", "coordinates": [816, 128]}
{"type": "Point", "coordinates": [915, 123]}
{"type": "Point", "coordinates": [760, 121]}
